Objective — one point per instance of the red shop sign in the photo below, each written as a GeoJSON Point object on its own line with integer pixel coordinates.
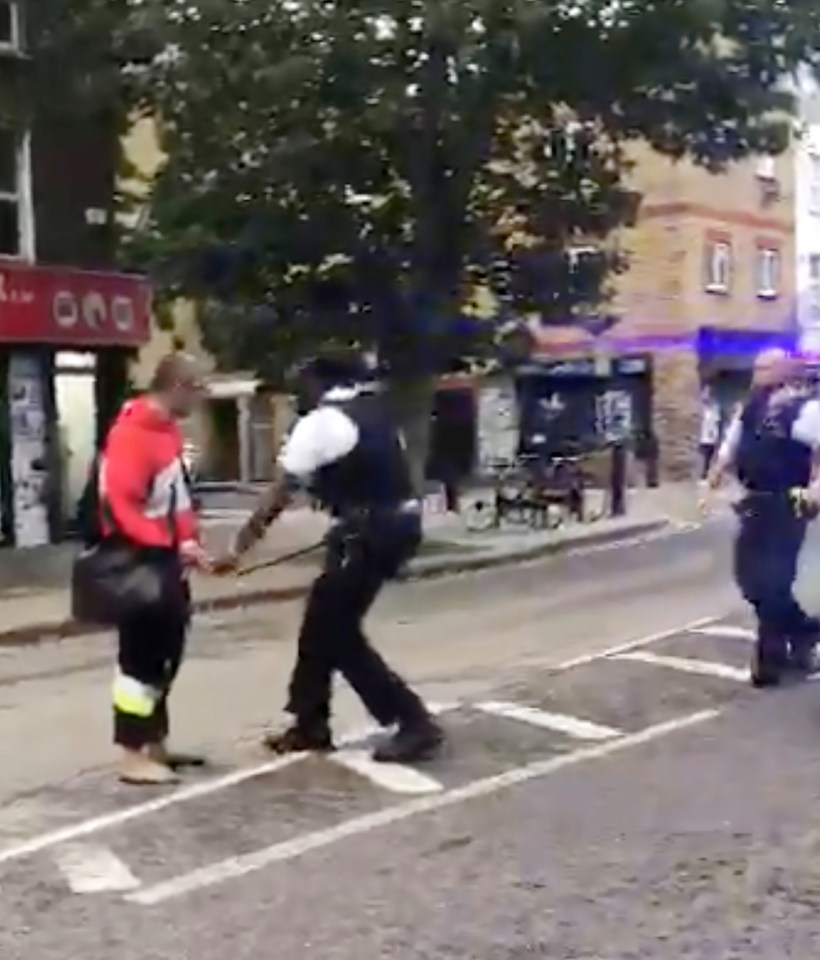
{"type": "Point", "coordinates": [72, 308]}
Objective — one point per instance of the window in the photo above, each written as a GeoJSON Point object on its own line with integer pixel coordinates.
{"type": "Point", "coordinates": [9, 25]}
{"type": "Point", "coordinates": [768, 272]}
{"type": "Point", "coordinates": [15, 199]}
{"type": "Point", "coordinates": [814, 283]}
{"type": "Point", "coordinates": [718, 266]}
{"type": "Point", "coordinates": [814, 182]}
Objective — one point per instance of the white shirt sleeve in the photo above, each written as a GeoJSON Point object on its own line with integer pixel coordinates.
{"type": "Point", "coordinates": [321, 437]}
{"type": "Point", "coordinates": [731, 440]}
{"type": "Point", "coordinates": [806, 428]}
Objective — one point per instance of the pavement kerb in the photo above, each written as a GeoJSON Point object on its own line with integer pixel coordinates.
{"type": "Point", "coordinates": [423, 569]}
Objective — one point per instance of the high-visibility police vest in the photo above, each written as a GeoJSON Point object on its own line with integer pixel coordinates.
{"type": "Point", "coordinates": [769, 459]}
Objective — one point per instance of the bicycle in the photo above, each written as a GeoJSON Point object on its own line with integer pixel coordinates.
{"type": "Point", "coordinates": [532, 493]}
{"type": "Point", "coordinates": [514, 500]}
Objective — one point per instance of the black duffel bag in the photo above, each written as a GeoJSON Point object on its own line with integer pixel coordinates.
{"type": "Point", "coordinates": [114, 580]}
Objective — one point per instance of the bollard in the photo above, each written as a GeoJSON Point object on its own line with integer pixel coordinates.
{"type": "Point", "coordinates": [617, 480]}
{"type": "Point", "coordinates": [652, 462]}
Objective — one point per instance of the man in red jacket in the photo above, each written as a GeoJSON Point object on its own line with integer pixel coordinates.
{"type": "Point", "coordinates": [146, 501]}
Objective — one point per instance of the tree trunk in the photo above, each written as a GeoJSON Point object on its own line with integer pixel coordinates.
{"type": "Point", "coordinates": [412, 402]}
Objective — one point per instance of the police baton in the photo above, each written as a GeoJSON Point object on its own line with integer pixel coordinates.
{"type": "Point", "coordinates": [283, 558]}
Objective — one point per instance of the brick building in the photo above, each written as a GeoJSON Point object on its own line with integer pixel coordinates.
{"type": "Point", "coordinates": [711, 281]}
{"type": "Point", "coordinates": [68, 320]}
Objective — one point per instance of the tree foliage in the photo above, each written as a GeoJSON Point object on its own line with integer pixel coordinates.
{"type": "Point", "coordinates": [354, 168]}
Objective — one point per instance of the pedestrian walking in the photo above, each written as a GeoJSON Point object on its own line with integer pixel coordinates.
{"type": "Point", "coordinates": [348, 451]}
{"type": "Point", "coordinates": [145, 503]}
{"type": "Point", "coordinates": [771, 446]}
{"type": "Point", "coordinates": [709, 430]}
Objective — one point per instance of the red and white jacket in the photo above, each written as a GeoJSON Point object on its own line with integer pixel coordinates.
{"type": "Point", "coordinates": [142, 480]}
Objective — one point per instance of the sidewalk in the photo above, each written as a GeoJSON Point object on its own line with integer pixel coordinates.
{"type": "Point", "coordinates": [34, 602]}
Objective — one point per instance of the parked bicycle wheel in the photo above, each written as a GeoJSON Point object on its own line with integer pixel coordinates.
{"type": "Point", "coordinates": [480, 515]}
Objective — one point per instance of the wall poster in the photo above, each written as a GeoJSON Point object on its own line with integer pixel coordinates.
{"type": "Point", "coordinates": [29, 450]}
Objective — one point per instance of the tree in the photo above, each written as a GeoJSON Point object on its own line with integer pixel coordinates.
{"type": "Point", "coordinates": [353, 169]}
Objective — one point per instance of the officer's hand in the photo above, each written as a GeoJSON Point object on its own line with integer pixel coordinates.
{"type": "Point", "coordinates": [811, 503]}
{"type": "Point", "coordinates": [193, 555]}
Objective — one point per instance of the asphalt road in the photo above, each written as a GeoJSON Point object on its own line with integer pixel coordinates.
{"type": "Point", "coordinates": [612, 788]}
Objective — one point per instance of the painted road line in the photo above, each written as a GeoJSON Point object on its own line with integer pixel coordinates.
{"type": "Point", "coordinates": [368, 730]}
{"type": "Point", "coordinates": [562, 723]}
{"type": "Point", "coordinates": [239, 866]}
{"type": "Point", "coordinates": [704, 668]}
{"type": "Point", "coordinates": [86, 828]}
{"type": "Point", "coordinates": [726, 630]}
{"type": "Point", "coordinates": [389, 776]}
{"type": "Point", "coordinates": [629, 645]}
{"type": "Point", "coordinates": [90, 869]}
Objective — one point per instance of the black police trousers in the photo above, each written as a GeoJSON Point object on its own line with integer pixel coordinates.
{"type": "Point", "coordinates": [361, 557]}
{"type": "Point", "coordinates": [151, 649]}
{"type": "Point", "coordinates": [766, 554]}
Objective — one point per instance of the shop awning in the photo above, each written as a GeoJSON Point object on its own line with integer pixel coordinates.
{"type": "Point", "coordinates": [231, 387]}
{"type": "Point", "coordinates": [72, 308]}
{"type": "Point", "coordinates": [737, 349]}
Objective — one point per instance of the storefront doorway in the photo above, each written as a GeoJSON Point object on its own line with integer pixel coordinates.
{"type": "Point", "coordinates": [75, 399]}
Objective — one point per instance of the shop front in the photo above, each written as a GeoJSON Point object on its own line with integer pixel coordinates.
{"type": "Point", "coordinates": [66, 338]}
{"type": "Point", "coordinates": [726, 359]}
{"type": "Point", "coordinates": [578, 405]}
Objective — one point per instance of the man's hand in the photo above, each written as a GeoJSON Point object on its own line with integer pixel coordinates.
{"type": "Point", "coordinates": [194, 556]}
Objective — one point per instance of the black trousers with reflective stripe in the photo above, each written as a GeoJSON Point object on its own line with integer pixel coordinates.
{"type": "Point", "coordinates": [151, 650]}
{"type": "Point", "coordinates": [359, 562]}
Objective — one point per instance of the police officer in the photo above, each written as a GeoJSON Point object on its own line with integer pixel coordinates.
{"type": "Point", "coordinates": [771, 446]}
{"type": "Point", "coordinates": [350, 455]}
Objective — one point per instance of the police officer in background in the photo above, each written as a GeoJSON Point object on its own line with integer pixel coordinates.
{"type": "Point", "coordinates": [771, 445]}
{"type": "Point", "coordinates": [348, 452]}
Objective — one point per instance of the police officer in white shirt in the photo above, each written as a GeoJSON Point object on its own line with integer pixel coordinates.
{"type": "Point", "coordinates": [348, 452]}
{"type": "Point", "coordinates": [772, 445]}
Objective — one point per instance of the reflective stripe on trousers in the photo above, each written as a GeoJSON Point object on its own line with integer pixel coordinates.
{"type": "Point", "coordinates": [134, 698]}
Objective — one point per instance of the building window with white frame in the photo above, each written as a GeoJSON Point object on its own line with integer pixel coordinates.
{"type": "Point", "coordinates": [768, 272]}
{"type": "Point", "coordinates": [814, 271]}
{"type": "Point", "coordinates": [15, 196]}
{"type": "Point", "coordinates": [814, 182]}
{"type": "Point", "coordinates": [9, 25]}
{"type": "Point", "coordinates": [814, 284]}
{"type": "Point", "coordinates": [718, 266]}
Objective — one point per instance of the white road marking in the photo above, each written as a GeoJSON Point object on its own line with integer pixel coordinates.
{"type": "Point", "coordinates": [726, 630]}
{"type": "Point", "coordinates": [89, 869]}
{"type": "Point", "coordinates": [629, 645]}
{"type": "Point", "coordinates": [572, 726]}
{"type": "Point", "coordinates": [239, 866]}
{"type": "Point", "coordinates": [85, 828]}
{"type": "Point", "coordinates": [704, 668]}
{"type": "Point", "coordinates": [389, 776]}
{"type": "Point", "coordinates": [368, 730]}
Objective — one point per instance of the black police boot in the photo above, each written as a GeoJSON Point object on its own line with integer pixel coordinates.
{"type": "Point", "coordinates": [802, 656]}
{"type": "Point", "coordinates": [415, 740]}
{"type": "Point", "coordinates": [767, 668]}
{"type": "Point", "coordinates": [298, 739]}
